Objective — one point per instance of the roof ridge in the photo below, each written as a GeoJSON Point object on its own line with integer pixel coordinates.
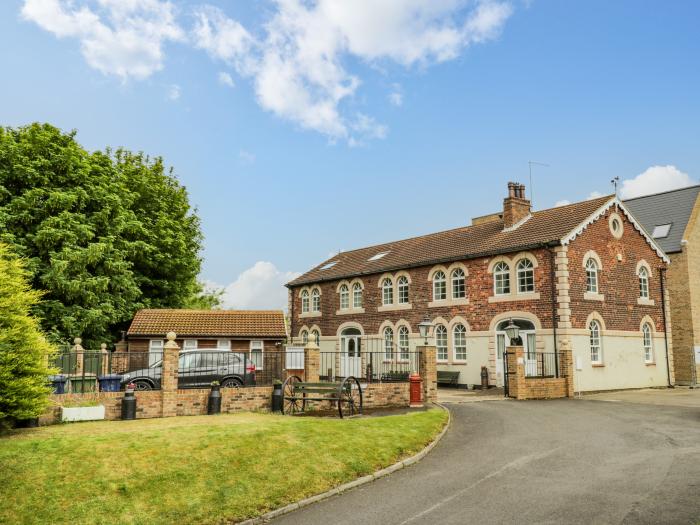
{"type": "Point", "coordinates": [662, 193]}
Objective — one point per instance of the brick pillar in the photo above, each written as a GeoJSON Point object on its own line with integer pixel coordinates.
{"type": "Point", "coordinates": [566, 369]}
{"type": "Point", "coordinates": [168, 381]}
{"type": "Point", "coordinates": [79, 355]}
{"type": "Point", "coordinates": [312, 360]}
{"type": "Point", "coordinates": [428, 372]}
{"type": "Point", "coordinates": [516, 371]}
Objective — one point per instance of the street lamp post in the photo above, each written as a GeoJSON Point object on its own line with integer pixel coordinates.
{"type": "Point", "coordinates": [424, 327]}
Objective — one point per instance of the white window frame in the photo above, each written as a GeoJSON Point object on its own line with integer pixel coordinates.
{"type": "Point", "coordinates": [439, 286]}
{"type": "Point", "coordinates": [357, 292]}
{"type": "Point", "coordinates": [304, 337]}
{"type": "Point", "coordinates": [316, 300]}
{"type": "Point", "coordinates": [402, 289]}
{"type": "Point", "coordinates": [595, 342]}
{"type": "Point", "coordinates": [648, 343]}
{"type": "Point", "coordinates": [459, 283]}
{"type": "Point", "coordinates": [459, 350]}
{"type": "Point", "coordinates": [501, 279]}
{"type": "Point", "coordinates": [253, 347]}
{"type": "Point", "coordinates": [387, 292]}
{"type": "Point", "coordinates": [442, 354]}
{"type": "Point", "coordinates": [190, 344]}
{"type": "Point", "coordinates": [305, 302]}
{"type": "Point", "coordinates": [223, 344]}
{"type": "Point", "coordinates": [525, 275]}
{"type": "Point", "coordinates": [591, 275]}
{"type": "Point", "coordinates": [643, 283]}
{"type": "Point", "coordinates": [344, 297]}
{"type": "Point", "coordinates": [155, 350]}
{"type": "Point", "coordinates": [388, 343]}
{"type": "Point", "coordinates": [404, 344]}
{"type": "Point", "coordinates": [317, 339]}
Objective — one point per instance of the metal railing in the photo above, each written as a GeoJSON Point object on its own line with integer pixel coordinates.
{"type": "Point", "coordinates": [543, 365]}
{"type": "Point", "coordinates": [372, 367]}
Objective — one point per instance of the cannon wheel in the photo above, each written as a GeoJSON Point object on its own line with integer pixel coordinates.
{"type": "Point", "coordinates": [350, 397]}
{"type": "Point", "coordinates": [292, 401]}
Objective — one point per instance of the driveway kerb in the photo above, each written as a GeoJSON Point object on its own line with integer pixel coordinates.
{"type": "Point", "coordinates": [355, 483]}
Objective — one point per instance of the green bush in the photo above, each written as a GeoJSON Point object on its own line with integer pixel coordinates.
{"type": "Point", "coordinates": [24, 351]}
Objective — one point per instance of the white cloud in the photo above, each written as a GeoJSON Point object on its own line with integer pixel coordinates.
{"type": "Point", "coordinates": [226, 79]}
{"type": "Point", "coordinates": [562, 202]}
{"type": "Point", "coordinates": [124, 38]}
{"type": "Point", "coordinates": [259, 287]}
{"type": "Point", "coordinates": [246, 156]}
{"type": "Point", "coordinates": [654, 180]}
{"type": "Point", "coordinates": [297, 60]}
{"type": "Point", "coordinates": [594, 195]}
{"type": "Point", "coordinates": [174, 92]}
{"type": "Point", "coordinates": [396, 96]}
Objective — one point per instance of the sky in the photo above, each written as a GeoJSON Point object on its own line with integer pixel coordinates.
{"type": "Point", "coordinates": [305, 127]}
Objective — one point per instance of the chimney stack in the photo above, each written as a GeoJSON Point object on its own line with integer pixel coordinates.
{"type": "Point", "coordinates": [515, 207]}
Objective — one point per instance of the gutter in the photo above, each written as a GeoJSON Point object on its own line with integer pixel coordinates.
{"type": "Point", "coordinates": [662, 281]}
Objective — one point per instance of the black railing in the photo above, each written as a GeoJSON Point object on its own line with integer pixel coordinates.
{"type": "Point", "coordinates": [372, 367]}
{"type": "Point", "coordinates": [543, 365]}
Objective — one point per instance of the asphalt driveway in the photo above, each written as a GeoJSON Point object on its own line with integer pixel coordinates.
{"type": "Point", "coordinates": [561, 461]}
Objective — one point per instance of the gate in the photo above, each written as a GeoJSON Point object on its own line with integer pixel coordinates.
{"type": "Point", "coordinates": [506, 373]}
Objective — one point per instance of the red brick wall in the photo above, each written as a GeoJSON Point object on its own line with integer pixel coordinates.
{"type": "Point", "coordinates": [478, 313]}
{"type": "Point", "coordinates": [617, 281]}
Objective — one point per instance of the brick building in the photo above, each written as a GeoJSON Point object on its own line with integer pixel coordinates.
{"type": "Point", "coordinates": [242, 331]}
{"type": "Point", "coordinates": [672, 218]}
{"type": "Point", "coordinates": [583, 278]}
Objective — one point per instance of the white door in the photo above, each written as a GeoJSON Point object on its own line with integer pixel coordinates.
{"type": "Point", "coordinates": [350, 360]}
{"type": "Point", "coordinates": [503, 341]}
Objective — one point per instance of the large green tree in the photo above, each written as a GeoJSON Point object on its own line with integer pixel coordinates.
{"type": "Point", "coordinates": [103, 233]}
{"type": "Point", "coordinates": [24, 351]}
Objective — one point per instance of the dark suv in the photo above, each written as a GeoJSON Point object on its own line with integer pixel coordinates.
{"type": "Point", "coordinates": [198, 369]}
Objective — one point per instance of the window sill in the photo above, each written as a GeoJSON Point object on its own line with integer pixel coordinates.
{"type": "Point", "coordinates": [394, 307]}
{"type": "Point", "coordinates": [442, 361]}
{"type": "Point", "coordinates": [459, 361]}
{"type": "Point", "coordinates": [641, 301]}
{"type": "Point", "coordinates": [592, 296]}
{"type": "Point", "coordinates": [514, 297]}
{"type": "Point", "coordinates": [597, 365]}
{"type": "Point", "coordinates": [448, 302]}
{"type": "Point", "coordinates": [309, 314]}
{"type": "Point", "coordinates": [649, 363]}
{"type": "Point", "coordinates": [350, 311]}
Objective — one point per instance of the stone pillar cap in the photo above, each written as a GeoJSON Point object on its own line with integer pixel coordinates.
{"type": "Point", "coordinates": [171, 336]}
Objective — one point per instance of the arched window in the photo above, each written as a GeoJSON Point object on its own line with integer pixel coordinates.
{"type": "Point", "coordinates": [596, 350]}
{"type": "Point", "coordinates": [526, 276]}
{"type": "Point", "coordinates": [403, 343]}
{"type": "Point", "coordinates": [501, 279]}
{"type": "Point", "coordinates": [304, 337]}
{"type": "Point", "coordinates": [459, 289]}
{"type": "Point", "coordinates": [387, 292]}
{"type": "Point", "coordinates": [388, 343]}
{"type": "Point", "coordinates": [344, 297]}
{"type": "Point", "coordinates": [315, 300]}
{"type": "Point", "coordinates": [441, 343]}
{"type": "Point", "coordinates": [357, 295]}
{"type": "Point", "coordinates": [591, 276]}
{"type": "Point", "coordinates": [459, 338]}
{"type": "Point", "coordinates": [403, 289]}
{"type": "Point", "coordinates": [643, 283]}
{"type": "Point", "coordinates": [305, 302]}
{"type": "Point", "coordinates": [439, 286]}
{"type": "Point", "coordinates": [648, 343]}
{"type": "Point", "coordinates": [315, 336]}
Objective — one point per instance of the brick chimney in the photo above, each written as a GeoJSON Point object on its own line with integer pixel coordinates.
{"type": "Point", "coordinates": [515, 207]}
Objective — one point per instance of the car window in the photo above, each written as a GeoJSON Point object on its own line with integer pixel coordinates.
{"type": "Point", "coordinates": [188, 360]}
{"type": "Point", "coordinates": [208, 360]}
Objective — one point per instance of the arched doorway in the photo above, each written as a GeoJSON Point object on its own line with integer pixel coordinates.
{"type": "Point", "coordinates": [350, 359]}
{"type": "Point", "coordinates": [527, 335]}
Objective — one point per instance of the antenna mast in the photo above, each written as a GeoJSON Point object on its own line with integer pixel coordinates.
{"type": "Point", "coordinates": [531, 163]}
{"type": "Point", "coordinates": [615, 182]}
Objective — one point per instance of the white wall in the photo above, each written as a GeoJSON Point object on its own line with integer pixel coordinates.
{"type": "Point", "coordinates": [623, 357]}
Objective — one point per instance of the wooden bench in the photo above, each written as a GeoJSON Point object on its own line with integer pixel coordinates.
{"type": "Point", "coordinates": [445, 377]}
{"type": "Point", "coordinates": [346, 394]}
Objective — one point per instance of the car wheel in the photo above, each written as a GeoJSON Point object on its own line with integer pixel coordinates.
{"type": "Point", "coordinates": [143, 385]}
{"type": "Point", "coordinates": [232, 382]}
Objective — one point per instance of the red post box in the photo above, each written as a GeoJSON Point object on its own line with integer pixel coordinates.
{"type": "Point", "coordinates": [415, 390]}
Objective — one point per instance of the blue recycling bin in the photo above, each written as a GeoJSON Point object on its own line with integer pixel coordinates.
{"type": "Point", "coordinates": [58, 383]}
{"type": "Point", "coordinates": [110, 383]}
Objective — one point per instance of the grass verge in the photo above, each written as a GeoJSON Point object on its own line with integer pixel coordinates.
{"type": "Point", "coordinates": [194, 469]}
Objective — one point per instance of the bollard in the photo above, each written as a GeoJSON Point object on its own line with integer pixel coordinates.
{"type": "Point", "coordinates": [415, 390]}
{"type": "Point", "coordinates": [484, 378]}
{"type": "Point", "coordinates": [277, 401]}
{"type": "Point", "coordinates": [214, 401]}
{"type": "Point", "coordinates": [129, 405]}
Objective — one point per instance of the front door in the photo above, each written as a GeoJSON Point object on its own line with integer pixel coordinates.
{"type": "Point", "coordinates": [350, 360]}
{"type": "Point", "coordinates": [503, 341]}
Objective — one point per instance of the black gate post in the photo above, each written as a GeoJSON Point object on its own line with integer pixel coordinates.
{"type": "Point", "coordinates": [506, 390]}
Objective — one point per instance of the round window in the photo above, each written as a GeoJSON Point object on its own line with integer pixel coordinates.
{"type": "Point", "coordinates": [616, 227]}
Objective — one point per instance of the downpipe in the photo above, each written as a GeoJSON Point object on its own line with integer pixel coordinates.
{"type": "Point", "coordinates": [662, 284]}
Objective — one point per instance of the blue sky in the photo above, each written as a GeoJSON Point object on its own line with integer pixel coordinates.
{"type": "Point", "coordinates": [301, 128]}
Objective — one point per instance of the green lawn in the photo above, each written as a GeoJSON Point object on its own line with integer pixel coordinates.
{"type": "Point", "coordinates": [205, 469]}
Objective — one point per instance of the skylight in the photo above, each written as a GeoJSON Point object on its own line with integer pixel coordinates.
{"type": "Point", "coordinates": [661, 231]}
{"type": "Point", "coordinates": [377, 256]}
{"type": "Point", "coordinates": [329, 265]}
